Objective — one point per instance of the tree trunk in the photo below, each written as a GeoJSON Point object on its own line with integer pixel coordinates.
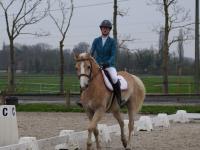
{"type": "Point", "coordinates": [11, 69]}
{"type": "Point", "coordinates": [61, 67]}
{"type": "Point", "coordinates": [165, 49]}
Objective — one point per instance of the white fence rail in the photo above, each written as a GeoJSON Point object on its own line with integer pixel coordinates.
{"type": "Point", "coordinates": [44, 144]}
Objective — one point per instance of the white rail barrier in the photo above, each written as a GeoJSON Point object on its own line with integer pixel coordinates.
{"type": "Point", "coordinates": [161, 120]}
{"type": "Point", "coordinates": [71, 139]}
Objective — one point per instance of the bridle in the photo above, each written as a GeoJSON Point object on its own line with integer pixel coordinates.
{"type": "Point", "coordinates": [90, 77]}
{"type": "Point", "coordinates": [83, 74]}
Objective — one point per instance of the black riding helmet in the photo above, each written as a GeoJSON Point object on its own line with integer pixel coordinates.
{"type": "Point", "coordinates": [106, 23]}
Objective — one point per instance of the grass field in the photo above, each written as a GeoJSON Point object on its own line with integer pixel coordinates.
{"type": "Point", "coordinates": [144, 110]}
{"type": "Point", "coordinates": [42, 83]}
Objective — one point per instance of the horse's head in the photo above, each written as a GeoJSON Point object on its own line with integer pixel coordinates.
{"type": "Point", "coordinates": [84, 65]}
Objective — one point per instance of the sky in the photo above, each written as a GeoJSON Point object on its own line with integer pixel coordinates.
{"type": "Point", "coordinates": [139, 24]}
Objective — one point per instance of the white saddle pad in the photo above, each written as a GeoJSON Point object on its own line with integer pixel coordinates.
{"type": "Point", "coordinates": [124, 84]}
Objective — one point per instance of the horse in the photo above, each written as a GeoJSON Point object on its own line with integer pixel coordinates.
{"type": "Point", "coordinates": [95, 98]}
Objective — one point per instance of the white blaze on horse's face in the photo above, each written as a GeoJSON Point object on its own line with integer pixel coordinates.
{"type": "Point", "coordinates": [83, 79]}
{"type": "Point", "coordinates": [84, 69]}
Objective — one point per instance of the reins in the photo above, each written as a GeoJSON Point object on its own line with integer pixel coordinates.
{"type": "Point", "coordinates": [86, 75]}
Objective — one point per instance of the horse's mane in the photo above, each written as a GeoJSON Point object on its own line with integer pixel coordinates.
{"type": "Point", "coordinates": [86, 56]}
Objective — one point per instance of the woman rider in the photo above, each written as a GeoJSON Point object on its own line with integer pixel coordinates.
{"type": "Point", "coordinates": [104, 51]}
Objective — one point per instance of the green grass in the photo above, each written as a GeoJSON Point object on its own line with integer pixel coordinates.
{"type": "Point", "coordinates": [41, 83]}
{"type": "Point", "coordinates": [145, 109]}
{"type": "Point", "coordinates": [47, 108]}
{"type": "Point", "coordinates": [183, 84]}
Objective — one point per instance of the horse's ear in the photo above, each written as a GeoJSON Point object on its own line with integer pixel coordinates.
{"type": "Point", "coordinates": [76, 55]}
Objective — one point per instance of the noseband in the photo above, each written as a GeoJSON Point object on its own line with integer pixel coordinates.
{"type": "Point", "coordinates": [83, 74]}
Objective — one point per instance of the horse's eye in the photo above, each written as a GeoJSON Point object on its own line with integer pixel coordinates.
{"type": "Point", "coordinates": [76, 68]}
{"type": "Point", "coordinates": [88, 67]}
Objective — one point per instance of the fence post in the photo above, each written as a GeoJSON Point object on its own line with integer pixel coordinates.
{"type": "Point", "coordinates": [2, 98]}
{"type": "Point", "coordinates": [67, 98]}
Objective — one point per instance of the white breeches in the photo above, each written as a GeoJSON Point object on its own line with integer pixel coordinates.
{"type": "Point", "coordinates": [113, 73]}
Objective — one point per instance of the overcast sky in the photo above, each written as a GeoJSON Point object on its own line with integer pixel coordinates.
{"type": "Point", "coordinates": [139, 24]}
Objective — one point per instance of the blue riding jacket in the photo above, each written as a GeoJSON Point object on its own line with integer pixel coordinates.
{"type": "Point", "coordinates": [104, 54]}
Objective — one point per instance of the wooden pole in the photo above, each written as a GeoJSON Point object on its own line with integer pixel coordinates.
{"type": "Point", "coordinates": [197, 72]}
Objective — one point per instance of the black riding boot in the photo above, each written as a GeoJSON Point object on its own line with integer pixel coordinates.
{"type": "Point", "coordinates": [117, 92]}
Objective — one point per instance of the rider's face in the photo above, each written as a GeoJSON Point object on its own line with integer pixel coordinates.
{"type": "Point", "coordinates": [105, 31]}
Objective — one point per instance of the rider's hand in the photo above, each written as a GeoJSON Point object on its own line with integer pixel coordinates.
{"type": "Point", "coordinates": [104, 65]}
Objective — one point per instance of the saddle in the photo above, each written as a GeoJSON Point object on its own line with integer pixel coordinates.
{"type": "Point", "coordinates": [109, 84]}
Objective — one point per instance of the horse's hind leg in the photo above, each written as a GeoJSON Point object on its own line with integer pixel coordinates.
{"type": "Point", "coordinates": [96, 134]}
{"type": "Point", "coordinates": [131, 115]}
{"type": "Point", "coordinates": [89, 142]}
{"type": "Point", "coordinates": [117, 115]}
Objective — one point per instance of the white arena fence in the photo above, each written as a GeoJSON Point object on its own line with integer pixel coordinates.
{"type": "Point", "coordinates": [37, 87]}
{"type": "Point", "coordinates": [71, 140]}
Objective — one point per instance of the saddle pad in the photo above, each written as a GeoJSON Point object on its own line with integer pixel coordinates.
{"type": "Point", "coordinates": [123, 82]}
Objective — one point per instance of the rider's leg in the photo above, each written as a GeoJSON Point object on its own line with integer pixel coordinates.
{"type": "Point", "coordinates": [116, 85]}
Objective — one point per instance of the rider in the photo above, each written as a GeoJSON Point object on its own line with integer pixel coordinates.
{"type": "Point", "coordinates": [104, 51]}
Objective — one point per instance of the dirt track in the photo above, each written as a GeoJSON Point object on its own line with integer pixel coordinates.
{"type": "Point", "coordinates": [177, 137]}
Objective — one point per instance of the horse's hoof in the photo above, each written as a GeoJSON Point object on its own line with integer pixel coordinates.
{"type": "Point", "coordinates": [124, 144]}
{"type": "Point", "coordinates": [98, 147]}
{"type": "Point", "coordinates": [128, 147]}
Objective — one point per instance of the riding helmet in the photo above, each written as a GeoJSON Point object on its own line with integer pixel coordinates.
{"type": "Point", "coordinates": [106, 23]}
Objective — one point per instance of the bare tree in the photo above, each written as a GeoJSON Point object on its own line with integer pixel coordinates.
{"type": "Point", "coordinates": [25, 15]}
{"type": "Point", "coordinates": [81, 47]}
{"type": "Point", "coordinates": [180, 52]}
{"type": "Point", "coordinates": [161, 40]}
{"type": "Point", "coordinates": [175, 17]}
{"type": "Point", "coordinates": [62, 23]}
{"type": "Point", "coordinates": [160, 47]}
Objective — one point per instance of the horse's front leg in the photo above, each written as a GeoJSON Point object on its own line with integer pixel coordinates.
{"type": "Point", "coordinates": [93, 128]}
{"type": "Point", "coordinates": [119, 118]}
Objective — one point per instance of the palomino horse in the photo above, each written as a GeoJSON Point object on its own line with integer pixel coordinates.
{"type": "Point", "coordinates": [95, 98]}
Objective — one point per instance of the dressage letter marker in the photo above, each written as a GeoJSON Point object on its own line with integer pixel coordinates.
{"type": "Point", "coordinates": [8, 125]}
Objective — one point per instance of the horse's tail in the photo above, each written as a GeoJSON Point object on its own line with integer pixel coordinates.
{"type": "Point", "coordinates": [139, 93]}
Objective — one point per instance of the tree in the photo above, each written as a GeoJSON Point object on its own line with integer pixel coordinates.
{"type": "Point", "coordinates": [180, 52]}
{"type": "Point", "coordinates": [159, 55]}
{"type": "Point", "coordinates": [18, 15]}
{"type": "Point", "coordinates": [62, 23]}
{"type": "Point", "coordinates": [145, 60]}
{"type": "Point", "coordinates": [81, 47]}
{"type": "Point", "coordinates": [171, 12]}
